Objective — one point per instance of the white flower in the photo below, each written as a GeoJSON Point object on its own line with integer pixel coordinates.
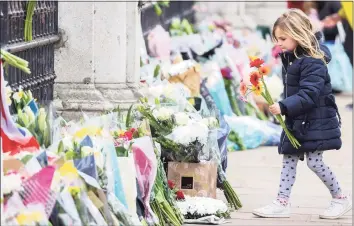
{"type": "Point", "coordinates": [187, 134]}
{"type": "Point", "coordinates": [18, 95]}
{"type": "Point", "coordinates": [211, 122]}
{"type": "Point", "coordinates": [201, 206]}
{"type": "Point", "coordinates": [163, 113]}
{"type": "Point", "coordinates": [11, 182]}
{"type": "Point", "coordinates": [181, 118]}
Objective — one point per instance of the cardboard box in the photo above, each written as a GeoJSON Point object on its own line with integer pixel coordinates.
{"type": "Point", "coordinates": [190, 78]}
{"type": "Point", "coordinates": [194, 179]}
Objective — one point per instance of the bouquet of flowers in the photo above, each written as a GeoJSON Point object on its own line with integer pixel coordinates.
{"type": "Point", "coordinates": [259, 87]}
{"type": "Point", "coordinates": [188, 143]}
{"type": "Point", "coordinates": [38, 124]}
{"type": "Point", "coordinates": [162, 201]}
{"type": "Point", "coordinates": [199, 207]}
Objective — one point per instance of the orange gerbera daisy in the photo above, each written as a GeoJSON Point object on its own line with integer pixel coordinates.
{"type": "Point", "coordinates": [258, 89]}
{"type": "Point", "coordinates": [254, 77]}
{"type": "Point", "coordinates": [264, 70]}
{"type": "Point", "coordinates": [256, 63]}
{"type": "Point", "coordinates": [243, 88]}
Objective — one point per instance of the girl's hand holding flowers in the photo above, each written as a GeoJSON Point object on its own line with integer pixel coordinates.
{"type": "Point", "coordinates": [275, 109]}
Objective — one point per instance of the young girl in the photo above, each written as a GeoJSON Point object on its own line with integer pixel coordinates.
{"type": "Point", "coordinates": [310, 111]}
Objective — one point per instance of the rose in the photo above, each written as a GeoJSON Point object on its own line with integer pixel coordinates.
{"type": "Point", "coordinates": [180, 195]}
{"type": "Point", "coordinates": [171, 185]}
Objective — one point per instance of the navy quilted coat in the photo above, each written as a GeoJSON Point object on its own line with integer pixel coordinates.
{"type": "Point", "coordinates": [308, 105]}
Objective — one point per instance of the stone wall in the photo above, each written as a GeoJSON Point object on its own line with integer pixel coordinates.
{"type": "Point", "coordinates": [97, 61]}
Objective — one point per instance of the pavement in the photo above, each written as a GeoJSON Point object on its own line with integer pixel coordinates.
{"type": "Point", "coordinates": [255, 174]}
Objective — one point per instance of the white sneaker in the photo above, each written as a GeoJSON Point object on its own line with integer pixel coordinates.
{"type": "Point", "coordinates": [274, 210]}
{"type": "Point", "coordinates": [338, 208]}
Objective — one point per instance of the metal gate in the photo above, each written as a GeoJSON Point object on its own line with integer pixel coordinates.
{"type": "Point", "coordinates": [177, 9]}
{"type": "Point", "coordinates": [39, 52]}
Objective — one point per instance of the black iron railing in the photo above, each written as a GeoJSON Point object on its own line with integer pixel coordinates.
{"type": "Point", "coordinates": [177, 9]}
{"type": "Point", "coordinates": [39, 52]}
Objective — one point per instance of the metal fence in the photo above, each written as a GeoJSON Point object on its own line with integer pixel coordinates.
{"type": "Point", "coordinates": [39, 52]}
{"type": "Point", "coordinates": [177, 9]}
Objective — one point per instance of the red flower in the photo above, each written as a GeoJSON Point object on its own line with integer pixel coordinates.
{"type": "Point", "coordinates": [226, 73]}
{"type": "Point", "coordinates": [256, 62]}
{"type": "Point", "coordinates": [132, 130]}
{"type": "Point", "coordinates": [254, 78]}
{"type": "Point", "coordinates": [128, 135]}
{"type": "Point", "coordinates": [180, 195]}
{"type": "Point", "coordinates": [171, 185]}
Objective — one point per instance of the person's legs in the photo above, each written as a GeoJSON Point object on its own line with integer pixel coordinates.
{"type": "Point", "coordinates": [316, 164]}
{"type": "Point", "coordinates": [287, 177]}
{"type": "Point", "coordinates": [340, 203]}
{"type": "Point", "coordinates": [280, 208]}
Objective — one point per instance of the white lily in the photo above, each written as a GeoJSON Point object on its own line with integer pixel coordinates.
{"type": "Point", "coordinates": [18, 96]}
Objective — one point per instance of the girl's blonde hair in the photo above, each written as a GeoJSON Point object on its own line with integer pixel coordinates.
{"type": "Point", "coordinates": [298, 26]}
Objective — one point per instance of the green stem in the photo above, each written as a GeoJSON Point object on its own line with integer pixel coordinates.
{"type": "Point", "coordinates": [294, 142]}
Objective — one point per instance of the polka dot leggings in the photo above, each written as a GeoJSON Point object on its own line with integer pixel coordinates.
{"type": "Point", "coordinates": [315, 163]}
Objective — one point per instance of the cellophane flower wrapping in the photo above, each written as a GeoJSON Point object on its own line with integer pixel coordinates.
{"type": "Point", "coordinates": [187, 143]}
{"type": "Point", "coordinates": [224, 129]}
{"type": "Point", "coordinates": [146, 168]}
{"type": "Point", "coordinates": [129, 181]}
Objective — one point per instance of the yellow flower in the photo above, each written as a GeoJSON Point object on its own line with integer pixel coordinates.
{"type": "Point", "coordinates": [68, 170]}
{"type": "Point", "coordinates": [74, 190]}
{"type": "Point", "coordinates": [88, 131]}
{"type": "Point", "coordinates": [258, 89]}
{"type": "Point", "coordinates": [30, 218]}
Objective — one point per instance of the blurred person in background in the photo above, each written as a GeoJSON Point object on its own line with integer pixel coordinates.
{"type": "Point", "coordinates": [340, 68]}
{"type": "Point", "coordinates": [344, 14]}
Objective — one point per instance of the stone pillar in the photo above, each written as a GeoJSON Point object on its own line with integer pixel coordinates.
{"type": "Point", "coordinates": [97, 61]}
